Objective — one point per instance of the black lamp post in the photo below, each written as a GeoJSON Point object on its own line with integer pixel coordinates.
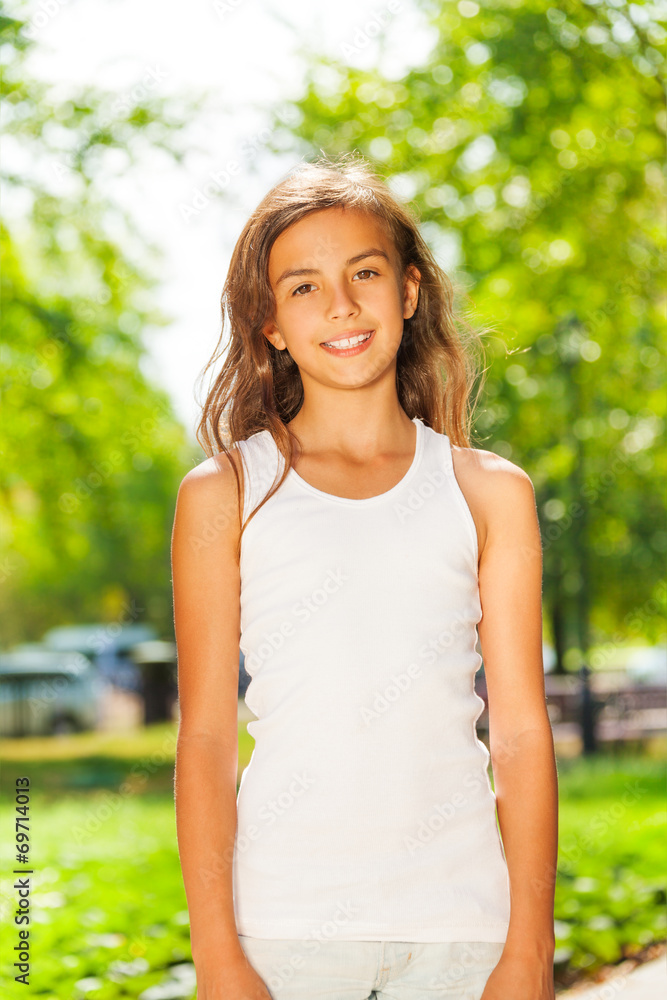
{"type": "Point", "coordinates": [570, 357]}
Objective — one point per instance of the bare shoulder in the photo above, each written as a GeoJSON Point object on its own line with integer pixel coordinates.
{"type": "Point", "coordinates": [488, 469]}
{"type": "Point", "coordinates": [497, 491]}
{"type": "Point", "coordinates": [213, 474]}
{"type": "Point", "coordinates": [208, 496]}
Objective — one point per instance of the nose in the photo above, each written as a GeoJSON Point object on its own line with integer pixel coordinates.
{"type": "Point", "coordinates": [342, 303]}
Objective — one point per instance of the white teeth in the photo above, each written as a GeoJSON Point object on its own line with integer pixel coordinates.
{"type": "Point", "coordinates": [348, 341]}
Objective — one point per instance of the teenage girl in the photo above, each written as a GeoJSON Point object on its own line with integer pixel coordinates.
{"type": "Point", "coordinates": [349, 539]}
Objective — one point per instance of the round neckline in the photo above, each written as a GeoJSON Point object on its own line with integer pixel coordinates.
{"type": "Point", "coordinates": [419, 445]}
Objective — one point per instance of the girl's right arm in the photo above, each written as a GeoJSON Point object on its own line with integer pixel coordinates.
{"type": "Point", "coordinates": [206, 589]}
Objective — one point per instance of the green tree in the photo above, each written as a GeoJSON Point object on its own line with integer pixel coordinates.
{"type": "Point", "coordinates": [93, 452]}
{"type": "Point", "coordinates": [532, 138]}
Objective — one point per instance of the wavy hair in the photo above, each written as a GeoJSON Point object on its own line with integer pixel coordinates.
{"type": "Point", "coordinates": [260, 388]}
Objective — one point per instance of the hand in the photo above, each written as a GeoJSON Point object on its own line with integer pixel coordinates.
{"type": "Point", "coordinates": [230, 980]}
{"type": "Point", "coordinates": [520, 978]}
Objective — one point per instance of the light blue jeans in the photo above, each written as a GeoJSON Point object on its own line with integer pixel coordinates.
{"type": "Point", "coordinates": [372, 970]}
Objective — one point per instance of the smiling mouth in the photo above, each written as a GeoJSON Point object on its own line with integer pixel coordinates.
{"type": "Point", "coordinates": [345, 343]}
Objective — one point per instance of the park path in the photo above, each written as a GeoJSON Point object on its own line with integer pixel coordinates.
{"type": "Point", "coordinates": [646, 982]}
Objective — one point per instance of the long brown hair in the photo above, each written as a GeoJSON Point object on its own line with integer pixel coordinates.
{"type": "Point", "coordinates": [259, 387]}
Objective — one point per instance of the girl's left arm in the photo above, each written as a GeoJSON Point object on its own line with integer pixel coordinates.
{"type": "Point", "coordinates": [520, 735]}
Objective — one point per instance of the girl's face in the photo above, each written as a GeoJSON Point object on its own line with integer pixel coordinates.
{"type": "Point", "coordinates": [336, 273]}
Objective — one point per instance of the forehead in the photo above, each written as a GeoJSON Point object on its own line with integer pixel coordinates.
{"type": "Point", "coordinates": [328, 236]}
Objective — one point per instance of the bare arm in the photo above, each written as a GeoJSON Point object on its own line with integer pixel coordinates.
{"type": "Point", "coordinates": [520, 735]}
{"type": "Point", "coordinates": [206, 587]}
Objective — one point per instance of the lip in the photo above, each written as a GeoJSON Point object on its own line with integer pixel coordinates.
{"type": "Point", "coordinates": [342, 336]}
{"type": "Point", "coordinates": [349, 351]}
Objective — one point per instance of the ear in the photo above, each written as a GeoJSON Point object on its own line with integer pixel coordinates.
{"type": "Point", "coordinates": [411, 291]}
{"type": "Point", "coordinates": [273, 335]}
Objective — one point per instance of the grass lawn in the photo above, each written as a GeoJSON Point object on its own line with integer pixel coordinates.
{"type": "Point", "coordinates": [610, 891]}
{"type": "Point", "coordinates": [108, 910]}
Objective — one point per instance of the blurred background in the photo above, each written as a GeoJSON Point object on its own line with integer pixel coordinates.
{"type": "Point", "coordinates": [137, 139]}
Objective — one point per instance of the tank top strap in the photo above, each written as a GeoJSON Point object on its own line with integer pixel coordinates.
{"type": "Point", "coordinates": [262, 466]}
{"type": "Point", "coordinates": [447, 460]}
{"type": "Point", "coordinates": [446, 453]}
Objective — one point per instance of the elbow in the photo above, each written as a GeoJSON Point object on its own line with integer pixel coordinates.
{"type": "Point", "coordinates": [506, 743]}
{"type": "Point", "coordinates": [203, 741]}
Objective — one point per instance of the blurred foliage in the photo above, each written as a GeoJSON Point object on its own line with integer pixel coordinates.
{"type": "Point", "coordinates": [531, 143]}
{"type": "Point", "coordinates": [610, 889]}
{"type": "Point", "coordinates": [93, 452]}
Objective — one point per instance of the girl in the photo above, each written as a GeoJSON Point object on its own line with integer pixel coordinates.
{"type": "Point", "coordinates": [347, 536]}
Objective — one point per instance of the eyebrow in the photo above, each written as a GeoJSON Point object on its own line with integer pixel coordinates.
{"type": "Point", "coordinates": [371, 252]}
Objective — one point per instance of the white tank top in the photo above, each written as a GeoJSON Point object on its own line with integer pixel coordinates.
{"type": "Point", "coordinates": [366, 811]}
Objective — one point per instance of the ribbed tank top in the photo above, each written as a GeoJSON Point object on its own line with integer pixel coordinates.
{"type": "Point", "coordinates": [366, 810]}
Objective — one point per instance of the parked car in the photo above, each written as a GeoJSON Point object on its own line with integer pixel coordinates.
{"type": "Point", "coordinates": [46, 693]}
{"type": "Point", "coordinates": [107, 644]}
{"type": "Point", "coordinates": [244, 676]}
